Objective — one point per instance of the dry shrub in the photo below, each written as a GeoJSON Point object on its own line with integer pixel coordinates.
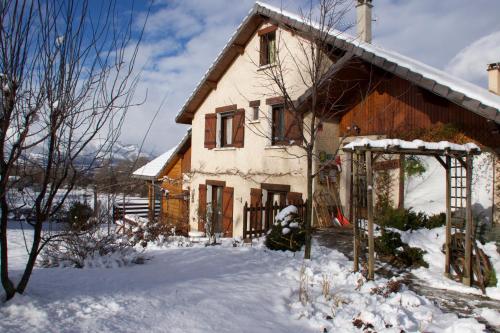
{"type": "Point", "coordinates": [392, 286]}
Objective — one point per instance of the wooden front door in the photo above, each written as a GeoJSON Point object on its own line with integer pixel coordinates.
{"type": "Point", "coordinates": [216, 209]}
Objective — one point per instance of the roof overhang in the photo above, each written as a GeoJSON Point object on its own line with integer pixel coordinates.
{"type": "Point", "coordinates": [181, 147]}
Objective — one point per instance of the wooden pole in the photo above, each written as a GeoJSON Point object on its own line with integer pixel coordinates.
{"type": "Point", "coordinates": [348, 186]}
{"type": "Point", "coordinates": [369, 203]}
{"type": "Point", "coordinates": [353, 207]}
{"type": "Point", "coordinates": [401, 196]}
{"type": "Point", "coordinates": [448, 218]}
{"type": "Point", "coordinates": [467, 278]}
{"type": "Point", "coordinates": [245, 208]}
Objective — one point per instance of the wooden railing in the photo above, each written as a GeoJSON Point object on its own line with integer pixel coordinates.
{"type": "Point", "coordinates": [258, 219]}
{"type": "Point", "coordinates": [136, 207]}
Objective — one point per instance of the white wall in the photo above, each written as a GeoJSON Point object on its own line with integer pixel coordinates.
{"type": "Point", "coordinates": [257, 162]}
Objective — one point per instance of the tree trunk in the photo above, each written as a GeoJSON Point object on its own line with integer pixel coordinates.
{"type": "Point", "coordinates": [7, 284]}
{"type": "Point", "coordinates": [308, 224]}
{"type": "Point", "coordinates": [31, 259]}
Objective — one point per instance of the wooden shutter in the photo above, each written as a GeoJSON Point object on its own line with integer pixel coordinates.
{"type": "Point", "coordinates": [202, 208]}
{"type": "Point", "coordinates": [293, 127]}
{"type": "Point", "coordinates": [210, 130]}
{"type": "Point", "coordinates": [294, 198]}
{"type": "Point", "coordinates": [239, 128]}
{"type": "Point", "coordinates": [227, 211]}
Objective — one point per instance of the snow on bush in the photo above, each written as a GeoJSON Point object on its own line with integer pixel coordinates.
{"type": "Point", "coordinates": [90, 249]}
{"type": "Point", "coordinates": [143, 231]}
{"type": "Point", "coordinates": [287, 233]}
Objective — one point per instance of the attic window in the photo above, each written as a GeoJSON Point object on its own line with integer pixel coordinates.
{"type": "Point", "coordinates": [267, 46]}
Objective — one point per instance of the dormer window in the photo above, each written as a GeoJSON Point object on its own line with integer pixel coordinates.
{"type": "Point", "coordinates": [267, 46]}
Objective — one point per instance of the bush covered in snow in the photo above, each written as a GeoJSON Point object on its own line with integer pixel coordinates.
{"type": "Point", "coordinates": [287, 233]}
{"type": "Point", "coordinates": [143, 231]}
{"type": "Point", "coordinates": [89, 248]}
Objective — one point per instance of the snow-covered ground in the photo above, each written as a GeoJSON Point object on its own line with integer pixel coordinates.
{"type": "Point", "coordinates": [431, 241]}
{"type": "Point", "coordinates": [218, 289]}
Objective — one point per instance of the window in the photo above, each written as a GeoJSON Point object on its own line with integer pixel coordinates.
{"type": "Point", "coordinates": [226, 132]}
{"type": "Point", "coordinates": [268, 48]}
{"type": "Point", "coordinates": [255, 113]}
{"type": "Point", "coordinates": [278, 126]}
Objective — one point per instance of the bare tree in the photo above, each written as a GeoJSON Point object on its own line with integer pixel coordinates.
{"type": "Point", "coordinates": [316, 63]}
{"type": "Point", "coordinates": [68, 78]}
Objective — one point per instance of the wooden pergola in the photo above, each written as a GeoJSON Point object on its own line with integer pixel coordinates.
{"type": "Point", "coordinates": [456, 160]}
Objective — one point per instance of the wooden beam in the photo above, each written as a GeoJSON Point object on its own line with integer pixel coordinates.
{"type": "Point", "coordinates": [460, 159]}
{"type": "Point", "coordinates": [239, 48]}
{"type": "Point", "coordinates": [440, 160]}
{"type": "Point", "coordinates": [211, 84]}
{"type": "Point", "coordinates": [348, 186]}
{"type": "Point", "coordinates": [369, 202]}
{"type": "Point", "coordinates": [468, 275]}
{"type": "Point", "coordinates": [354, 210]}
{"type": "Point", "coordinates": [401, 196]}
{"type": "Point", "coordinates": [447, 166]}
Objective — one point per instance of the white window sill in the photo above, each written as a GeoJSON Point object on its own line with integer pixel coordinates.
{"type": "Point", "coordinates": [276, 147]}
{"type": "Point", "coordinates": [264, 67]}
{"type": "Point", "coordinates": [254, 121]}
{"type": "Point", "coordinates": [224, 148]}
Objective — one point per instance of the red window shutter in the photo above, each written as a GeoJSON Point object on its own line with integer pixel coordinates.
{"type": "Point", "coordinates": [227, 211]}
{"type": "Point", "coordinates": [294, 198]}
{"type": "Point", "coordinates": [210, 130]}
{"type": "Point", "coordinates": [293, 127]}
{"type": "Point", "coordinates": [239, 128]}
{"type": "Point", "coordinates": [202, 208]}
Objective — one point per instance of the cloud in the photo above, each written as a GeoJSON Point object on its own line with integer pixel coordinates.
{"type": "Point", "coordinates": [470, 63]}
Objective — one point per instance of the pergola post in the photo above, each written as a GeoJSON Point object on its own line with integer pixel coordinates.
{"type": "Point", "coordinates": [354, 210]}
{"type": "Point", "coordinates": [448, 217]}
{"type": "Point", "coordinates": [369, 203]}
{"type": "Point", "coordinates": [348, 186]}
{"type": "Point", "coordinates": [467, 277]}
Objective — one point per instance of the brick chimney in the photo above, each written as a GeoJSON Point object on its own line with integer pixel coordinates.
{"type": "Point", "coordinates": [364, 20]}
{"type": "Point", "coordinates": [494, 78]}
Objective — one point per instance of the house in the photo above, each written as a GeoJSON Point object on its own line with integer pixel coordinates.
{"type": "Point", "coordinates": [165, 178]}
{"type": "Point", "coordinates": [245, 144]}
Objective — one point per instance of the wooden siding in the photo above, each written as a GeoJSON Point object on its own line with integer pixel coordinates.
{"type": "Point", "coordinates": [394, 106]}
{"type": "Point", "coordinates": [175, 209]}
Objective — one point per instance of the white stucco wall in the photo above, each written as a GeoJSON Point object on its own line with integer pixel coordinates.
{"type": "Point", "coordinates": [258, 162]}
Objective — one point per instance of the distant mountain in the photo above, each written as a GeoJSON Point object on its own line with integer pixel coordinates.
{"type": "Point", "coordinates": [120, 152]}
{"type": "Point", "coordinates": [129, 152]}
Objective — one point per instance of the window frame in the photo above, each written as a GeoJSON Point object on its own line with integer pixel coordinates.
{"type": "Point", "coordinates": [268, 54]}
{"type": "Point", "coordinates": [276, 139]}
{"type": "Point", "coordinates": [223, 131]}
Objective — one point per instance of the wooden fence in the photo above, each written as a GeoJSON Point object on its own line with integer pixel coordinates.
{"type": "Point", "coordinates": [258, 219]}
{"type": "Point", "coordinates": [136, 207]}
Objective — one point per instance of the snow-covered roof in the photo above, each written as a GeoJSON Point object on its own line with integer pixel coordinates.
{"type": "Point", "coordinates": [152, 169]}
{"type": "Point", "coordinates": [461, 92]}
{"type": "Point", "coordinates": [415, 145]}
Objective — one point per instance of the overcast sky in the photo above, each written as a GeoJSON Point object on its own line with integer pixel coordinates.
{"type": "Point", "coordinates": [183, 37]}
